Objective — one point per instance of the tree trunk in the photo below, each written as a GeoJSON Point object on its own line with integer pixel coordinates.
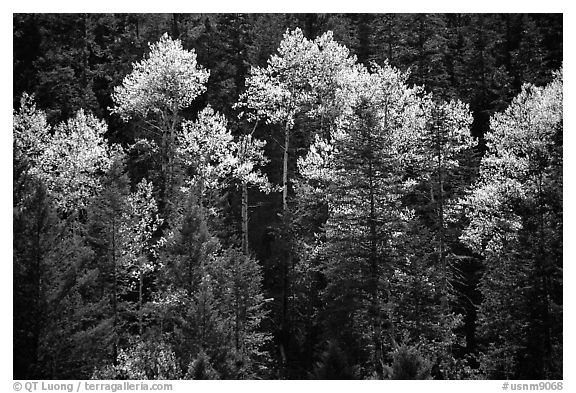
{"type": "Point", "coordinates": [141, 279]}
{"type": "Point", "coordinates": [374, 314]}
{"type": "Point", "coordinates": [286, 266]}
{"type": "Point", "coordinates": [37, 280]}
{"type": "Point", "coordinates": [114, 295]}
{"type": "Point", "coordinates": [542, 271]}
{"type": "Point", "coordinates": [245, 243]}
{"type": "Point", "coordinates": [285, 171]}
{"type": "Point", "coordinates": [244, 218]}
{"type": "Point", "coordinates": [441, 253]}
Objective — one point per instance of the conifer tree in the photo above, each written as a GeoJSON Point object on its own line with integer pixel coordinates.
{"type": "Point", "coordinates": [363, 185]}
{"type": "Point", "coordinates": [104, 235]}
{"type": "Point", "coordinates": [516, 225]}
{"type": "Point", "coordinates": [211, 299]}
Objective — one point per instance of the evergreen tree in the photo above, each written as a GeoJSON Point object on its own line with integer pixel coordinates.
{"type": "Point", "coordinates": [171, 259]}
{"type": "Point", "coordinates": [516, 225]}
{"type": "Point", "coordinates": [211, 299]}
{"type": "Point", "coordinates": [363, 191]}
{"type": "Point", "coordinates": [104, 235]}
{"type": "Point", "coordinates": [35, 233]}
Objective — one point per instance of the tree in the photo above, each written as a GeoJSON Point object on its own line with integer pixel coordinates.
{"type": "Point", "coordinates": [169, 258]}
{"type": "Point", "coordinates": [35, 233]}
{"type": "Point", "coordinates": [156, 91]}
{"type": "Point", "coordinates": [30, 133]}
{"type": "Point", "coordinates": [441, 146]}
{"type": "Point", "coordinates": [360, 173]}
{"type": "Point", "coordinates": [211, 160]}
{"type": "Point", "coordinates": [298, 81]}
{"type": "Point", "coordinates": [140, 222]}
{"type": "Point", "coordinates": [61, 59]}
{"type": "Point", "coordinates": [104, 235]}
{"type": "Point", "coordinates": [516, 225]}
{"type": "Point", "coordinates": [73, 160]}
{"type": "Point", "coordinates": [242, 304]}
{"type": "Point", "coordinates": [295, 79]}
{"type": "Point", "coordinates": [50, 258]}
{"type": "Point", "coordinates": [210, 299]}
{"type": "Point", "coordinates": [148, 360]}
{"type": "Point", "coordinates": [388, 141]}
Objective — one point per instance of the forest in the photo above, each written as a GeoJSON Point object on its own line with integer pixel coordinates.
{"type": "Point", "coordinates": [287, 196]}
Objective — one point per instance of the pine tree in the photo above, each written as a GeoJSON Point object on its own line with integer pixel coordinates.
{"type": "Point", "coordinates": [50, 257]}
{"type": "Point", "coordinates": [104, 235]}
{"type": "Point", "coordinates": [35, 231]}
{"type": "Point", "coordinates": [443, 142]}
{"type": "Point", "coordinates": [242, 304]}
{"type": "Point", "coordinates": [363, 185]}
{"type": "Point", "coordinates": [211, 300]}
{"type": "Point", "coordinates": [516, 225]}
{"type": "Point", "coordinates": [61, 57]}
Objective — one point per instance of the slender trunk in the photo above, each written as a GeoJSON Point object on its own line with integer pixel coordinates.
{"type": "Point", "coordinates": [114, 294]}
{"type": "Point", "coordinates": [286, 267]}
{"type": "Point", "coordinates": [37, 280]}
{"type": "Point", "coordinates": [140, 285]}
{"type": "Point", "coordinates": [244, 156]}
{"type": "Point", "coordinates": [285, 171]}
{"type": "Point", "coordinates": [285, 293]}
{"type": "Point", "coordinates": [236, 320]}
{"type": "Point", "coordinates": [168, 142]}
{"type": "Point", "coordinates": [373, 265]}
{"type": "Point", "coordinates": [386, 283]}
{"type": "Point", "coordinates": [543, 276]}
{"type": "Point", "coordinates": [244, 218]}
{"type": "Point", "coordinates": [441, 252]}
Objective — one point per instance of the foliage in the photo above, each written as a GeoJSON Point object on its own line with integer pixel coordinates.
{"type": "Point", "coordinates": [212, 157]}
{"type": "Point", "coordinates": [333, 365]}
{"type": "Point", "coordinates": [400, 247]}
{"type": "Point", "coordinates": [300, 74]}
{"type": "Point", "coordinates": [201, 368]}
{"type": "Point", "coordinates": [30, 131]}
{"type": "Point", "coordinates": [365, 217]}
{"type": "Point", "coordinates": [73, 159]}
{"type": "Point", "coordinates": [142, 360]}
{"type": "Point", "coordinates": [167, 81]}
{"type": "Point", "coordinates": [514, 221]}
{"type": "Point", "coordinates": [211, 300]}
{"type": "Point", "coordinates": [409, 364]}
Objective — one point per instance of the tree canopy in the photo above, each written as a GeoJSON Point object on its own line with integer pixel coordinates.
{"type": "Point", "coordinates": [286, 196]}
